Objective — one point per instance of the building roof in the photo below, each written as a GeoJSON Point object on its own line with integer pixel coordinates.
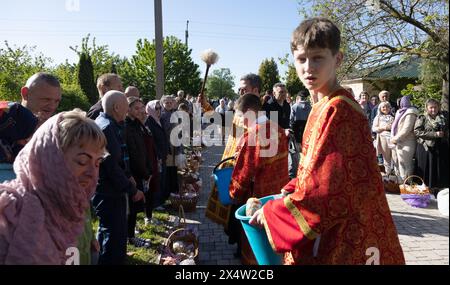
{"type": "Point", "coordinates": [405, 69]}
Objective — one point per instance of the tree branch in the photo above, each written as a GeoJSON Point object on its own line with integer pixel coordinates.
{"type": "Point", "coordinates": [396, 14]}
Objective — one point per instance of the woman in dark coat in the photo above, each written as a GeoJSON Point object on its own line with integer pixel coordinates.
{"type": "Point", "coordinates": [140, 163]}
{"type": "Point", "coordinates": [431, 130]}
{"type": "Point", "coordinates": [153, 110]}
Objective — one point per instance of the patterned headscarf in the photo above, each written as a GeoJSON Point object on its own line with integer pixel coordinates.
{"type": "Point", "coordinates": [405, 104]}
{"type": "Point", "coordinates": [42, 211]}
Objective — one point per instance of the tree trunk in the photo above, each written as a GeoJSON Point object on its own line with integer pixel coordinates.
{"type": "Point", "coordinates": [444, 100]}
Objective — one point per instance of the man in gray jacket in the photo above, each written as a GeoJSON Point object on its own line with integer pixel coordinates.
{"type": "Point", "coordinates": [299, 115]}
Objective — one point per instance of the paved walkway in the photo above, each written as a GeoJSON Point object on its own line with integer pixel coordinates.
{"type": "Point", "coordinates": [214, 248]}
{"type": "Point", "coordinates": [423, 233]}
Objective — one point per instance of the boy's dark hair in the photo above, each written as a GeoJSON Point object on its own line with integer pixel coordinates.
{"type": "Point", "coordinates": [317, 32]}
{"type": "Point", "coordinates": [278, 84]}
{"type": "Point", "coordinates": [303, 94]}
{"type": "Point", "coordinates": [247, 102]}
{"type": "Point", "coordinates": [253, 79]}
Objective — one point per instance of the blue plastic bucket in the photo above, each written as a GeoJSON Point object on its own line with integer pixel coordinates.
{"type": "Point", "coordinates": [257, 237]}
{"type": "Point", "coordinates": [6, 172]}
{"type": "Point", "coordinates": [222, 177]}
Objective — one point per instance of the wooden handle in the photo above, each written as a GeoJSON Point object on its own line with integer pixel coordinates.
{"type": "Point", "coordinates": [182, 216]}
{"type": "Point", "coordinates": [204, 81]}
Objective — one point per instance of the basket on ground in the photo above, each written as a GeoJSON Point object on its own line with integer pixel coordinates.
{"type": "Point", "coordinates": [188, 200]}
{"type": "Point", "coordinates": [390, 185]}
{"type": "Point", "coordinates": [415, 195]}
{"type": "Point", "coordinates": [186, 238]}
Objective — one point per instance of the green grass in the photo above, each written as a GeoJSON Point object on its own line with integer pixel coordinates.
{"type": "Point", "coordinates": [156, 233]}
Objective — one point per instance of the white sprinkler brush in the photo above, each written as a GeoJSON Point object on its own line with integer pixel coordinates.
{"type": "Point", "coordinates": [210, 58]}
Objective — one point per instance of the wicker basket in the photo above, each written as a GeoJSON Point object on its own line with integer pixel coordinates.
{"type": "Point", "coordinates": [391, 186]}
{"type": "Point", "coordinates": [189, 203]}
{"type": "Point", "coordinates": [185, 236]}
{"type": "Point", "coordinates": [415, 195]}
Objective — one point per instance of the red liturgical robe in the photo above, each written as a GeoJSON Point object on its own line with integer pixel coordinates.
{"type": "Point", "coordinates": [261, 167]}
{"type": "Point", "coordinates": [338, 212]}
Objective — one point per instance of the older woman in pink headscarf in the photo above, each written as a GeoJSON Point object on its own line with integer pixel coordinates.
{"type": "Point", "coordinates": [43, 211]}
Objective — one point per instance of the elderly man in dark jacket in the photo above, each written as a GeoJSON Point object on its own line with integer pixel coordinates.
{"type": "Point", "coordinates": [115, 182]}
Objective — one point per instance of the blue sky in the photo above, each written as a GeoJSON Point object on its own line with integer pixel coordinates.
{"type": "Point", "coordinates": [242, 32]}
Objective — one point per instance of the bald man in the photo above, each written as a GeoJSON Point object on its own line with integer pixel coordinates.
{"type": "Point", "coordinates": [105, 83]}
{"type": "Point", "coordinates": [41, 95]}
{"type": "Point", "coordinates": [115, 182]}
{"type": "Point", "coordinates": [132, 91]}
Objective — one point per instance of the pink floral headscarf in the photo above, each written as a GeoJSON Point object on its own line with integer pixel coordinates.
{"type": "Point", "coordinates": [42, 211]}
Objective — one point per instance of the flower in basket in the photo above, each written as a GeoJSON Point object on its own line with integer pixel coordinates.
{"type": "Point", "coordinates": [415, 195]}
{"type": "Point", "coordinates": [190, 194]}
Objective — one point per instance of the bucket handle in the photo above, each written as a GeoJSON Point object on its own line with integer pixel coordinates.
{"type": "Point", "coordinates": [223, 161]}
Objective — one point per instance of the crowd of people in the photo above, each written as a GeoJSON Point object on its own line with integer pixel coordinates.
{"type": "Point", "coordinates": [319, 150]}
{"type": "Point", "coordinates": [111, 162]}
{"type": "Point", "coordinates": [409, 142]}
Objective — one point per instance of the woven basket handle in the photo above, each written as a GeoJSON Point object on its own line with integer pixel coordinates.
{"type": "Point", "coordinates": [411, 176]}
{"type": "Point", "coordinates": [172, 234]}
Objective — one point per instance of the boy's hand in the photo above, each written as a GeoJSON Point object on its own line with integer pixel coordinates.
{"type": "Point", "coordinates": [285, 192]}
{"type": "Point", "coordinates": [257, 219]}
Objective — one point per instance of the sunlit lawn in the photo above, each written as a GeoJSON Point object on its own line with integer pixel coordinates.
{"type": "Point", "coordinates": [156, 233]}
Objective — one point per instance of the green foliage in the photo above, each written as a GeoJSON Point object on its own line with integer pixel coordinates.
{"type": "Point", "coordinates": [102, 60]}
{"type": "Point", "coordinates": [180, 72]}
{"type": "Point", "coordinates": [293, 83]}
{"type": "Point", "coordinates": [66, 73]}
{"type": "Point", "coordinates": [9, 88]}
{"type": "Point", "coordinates": [17, 64]}
{"type": "Point", "coordinates": [220, 84]}
{"type": "Point", "coordinates": [86, 78]}
{"type": "Point", "coordinates": [420, 95]}
{"type": "Point", "coordinates": [73, 97]}
{"type": "Point", "coordinates": [268, 71]}
{"type": "Point", "coordinates": [432, 73]}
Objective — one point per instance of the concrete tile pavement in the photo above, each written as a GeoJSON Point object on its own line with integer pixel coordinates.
{"type": "Point", "coordinates": [213, 242]}
{"type": "Point", "coordinates": [423, 233]}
